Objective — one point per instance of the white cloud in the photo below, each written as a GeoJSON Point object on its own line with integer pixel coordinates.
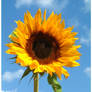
{"type": "Point", "coordinates": [13, 90]}
{"type": "Point", "coordinates": [45, 3]}
{"type": "Point", "coordinates": [10, 76]}
{"type": "Point", "coordinates": [20, 3]}
{"type": "Point", "coordinates": [87, 71]}
{"type": "Point", "coordinates": [87, 6]}
{"type": "Point", "coordinates": [56, 5]}
{"type": "Point", "coordinates": [84, 40]}
{"type": "Point", "coordinates": [52, 4]}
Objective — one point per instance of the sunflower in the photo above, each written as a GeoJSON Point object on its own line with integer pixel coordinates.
{"type": "Point", "coordinates": [44, 45]}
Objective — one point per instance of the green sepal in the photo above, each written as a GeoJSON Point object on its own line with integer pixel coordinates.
{"type": "Point", "coordinates": [26, 72]}
{"type": "Point", "coordinates": [13, 62]}
{"type": "Point", "coordinates": [31, 78]}
{"type": "Point", "coordinates": [13, 34]}
{"type": "Point", "coordinates": [52, 80]}
{"type": "Point", "coordinates": [13, 57]}
{"type": "Point", "coordinates": [42, 74]}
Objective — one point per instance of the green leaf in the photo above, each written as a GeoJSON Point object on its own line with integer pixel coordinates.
{"type": "Point", "coordinates": [26, 72]}
{"type": "Point", "coordinates": [52, 80]}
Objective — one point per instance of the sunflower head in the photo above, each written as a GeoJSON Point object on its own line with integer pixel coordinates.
{"type": "Point", "coordinates": [44, 45]}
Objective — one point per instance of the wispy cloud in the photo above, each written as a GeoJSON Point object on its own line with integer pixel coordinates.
{"type": "Point", "coordinates": [84, 40]}
{"type": "Point", "coordinates": [60, 4]}
{"type": "Point", "coordinates": [87, 71]}
{"type": "Point", "coordinates": [20, 3]}
{"type": "Point", "coordinates": [44, 3]}
{"type": "Point", "coordinates": [85, 37]}
{"type": "Point", "coordinates": [87, 6]}
{"type": "Point", "coordinates": [10, 76]}
{"type": "Point", "coordinates": [13, 90]}
{"type": "Point", "coordinates": [74, 22]}
{"type": "Point", "coordinates": [52, 4]}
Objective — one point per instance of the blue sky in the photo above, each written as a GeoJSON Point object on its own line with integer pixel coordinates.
{"type": "Point", "coordinates": [75, 13]}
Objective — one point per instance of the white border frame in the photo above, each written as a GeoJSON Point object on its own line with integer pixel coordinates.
{"type": "Point", "coordinates": [0, 47]}
{"type": "Point", "coordinates": [91, 45]}
{"type": "Point", "coordinates": [1, 40]}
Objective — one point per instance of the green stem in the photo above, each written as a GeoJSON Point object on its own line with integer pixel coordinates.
{"type": "Point", "coordinates": [36, 82]}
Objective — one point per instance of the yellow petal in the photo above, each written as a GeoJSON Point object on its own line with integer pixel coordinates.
{"type": "Point", "coordinates": [71, 51]}
{"type": "Point", "coordinates": [34, 65]}
{"type": "Point", "coordinates": [28, 20]}
{"type": "Point", "coordinates": [11, 45]}
{"type": "Point", "coordinates": [72, 64]}
{"type": "Point", "coordinates": [40, 68]}
{"type": "Point", "coordinates": [64, 71]}
{"type": "Point", "coordinates": [20, 25]}
{"type": "Point", "coordinates": [68, 42]}
{"type": "Point", "coordinates": [10, 51]}
{"type": "Point", "coordinates": [44, 16]}
{"type": "Point", "coordinates": [21, 62]}
{"type": "Point", "coordinates": [58, 71]}
{"type": "Point", "coordinates": [21, 29]}
{"type": "Point", "coordinates": [38, 20]}
{"type": "Point", "coordinates": [69, 61]}
{"type": "Point", "coordinates": [63, 24]}
{"type": "Point", "coordinates": [50, 17]}
{"type": "Point", "coordinates": [49, 69]}
{"type": "Point", "coordinates": [15, 39]}
{"type": "Point", "coordinates": [15, 48]}
{"type": "Point", "coordinates": [24, 56]}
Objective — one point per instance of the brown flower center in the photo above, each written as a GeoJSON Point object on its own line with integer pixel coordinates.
{"type": "Point", "coordinates": [42, 47]}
